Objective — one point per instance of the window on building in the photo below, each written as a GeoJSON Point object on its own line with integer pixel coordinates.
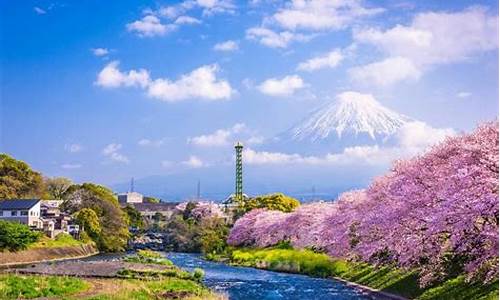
{"type": "Point", "coordinates": [24, 213]}
{"type": "Point", "coordinates": [13, 213]}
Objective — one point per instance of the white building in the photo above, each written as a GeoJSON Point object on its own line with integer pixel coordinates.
{"type": "Point", "coordinates": [26, 211]}
{"type": "Point", "coordinates": [130, 197]}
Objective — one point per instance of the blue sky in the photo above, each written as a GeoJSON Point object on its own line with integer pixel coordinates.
{"type": "Point", "coordinates": [104, 91]}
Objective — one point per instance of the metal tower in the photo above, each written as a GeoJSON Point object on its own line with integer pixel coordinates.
{"type": "Point", "coordinates": [238, 194]}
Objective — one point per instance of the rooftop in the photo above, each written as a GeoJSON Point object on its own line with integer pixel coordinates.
{"type": "Point", "coordinates": [162, 206]}
{"type": "Point", "coordinates": [18, 203]}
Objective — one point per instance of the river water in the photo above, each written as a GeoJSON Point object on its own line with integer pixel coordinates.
{"type": "Point", "coordinates": [241, 283]}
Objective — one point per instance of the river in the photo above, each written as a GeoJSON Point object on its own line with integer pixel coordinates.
{"type": "Point", "coordinates": [241, 283]}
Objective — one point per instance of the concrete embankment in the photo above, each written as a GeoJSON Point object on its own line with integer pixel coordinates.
{"type": "Point", "coordinates": [8, 258]}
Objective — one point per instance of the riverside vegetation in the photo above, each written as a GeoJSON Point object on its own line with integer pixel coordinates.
{"type": "Point", "coordinates": [165, 282]}
{"type": "Point", "coordinates": [390, 279]}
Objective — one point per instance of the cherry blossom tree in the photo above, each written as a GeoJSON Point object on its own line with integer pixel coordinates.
{"type": "Point", "coordinates": [436, 212]}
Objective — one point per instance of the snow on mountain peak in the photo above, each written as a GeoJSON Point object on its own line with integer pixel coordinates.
{"type": "Point", "coordinates": [352, 112]}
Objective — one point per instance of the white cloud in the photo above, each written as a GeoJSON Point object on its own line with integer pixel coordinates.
{"type": "Point", "coordinates": [111, 77]}
{"type": "Point", "coordinates": [386, 72]}
{"type": "Point", "coordinates": [71, 166]}
{"type": "Point", "coordinates": [100, 51]}
{"type": "Point", "coordinates": [418, 135]}
{"type": "Point", "coordinates": [413, 138]}
{"type": "Point", "coordinates": [330, 60]}
{"type": "Point", "coordinates": [321, 14]}
{"type": "Point", "coordinates": [269, 38]}
{"type": "Point", "coordinates": [39, 10]}
{"type": "Point", "coordinates": [218, 138]}
{"type": "Point", "coordinates": [464, 94]}
{"type": "Point", "coordinates": [221, 137]}
{"type": "Point", "coordinates": [281, 87]}
{"type": "Point", "coordinates": [73, 148]}
{"type": "Point", "coordinates": [226, 46]}
{"type": "Point", "coordinates": [373, 155]}
{"type": "Point", "coordinates": [209, 7]}
{"type": "Point", "coordinates": [253, 157]}
{"type": "Point", "coordinates": [187, 20]}
{"type": "Point", "coordinates": [112, 152]}
{"type": "Point", "coordinates": [436, 38]}
{"type": "Point", "coordinates": [194, 162]}
{"type": "Point", "coordinates": [150, 26]}
{"type": "Point", "coordinates": [171, 12]}
{"type": "Point", "coordinates": [255, 140]}
{"type": "Point", "coordinates": [150, 143]}
{"type": "Point", "coordinates": [201, 83]}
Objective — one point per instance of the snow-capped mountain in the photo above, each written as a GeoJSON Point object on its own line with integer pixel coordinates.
{"type": "Point", "coordinates": [353, 119]}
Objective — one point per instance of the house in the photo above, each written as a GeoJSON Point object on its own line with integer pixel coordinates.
{"type": "Point", "coordinates": [130, 197]}
{"type": "Point", "coordinates": [54, 221]}
{"type": "Point", "coordinates": [50, 208]}
{"type": "Point", "coordinates": [25, 211]}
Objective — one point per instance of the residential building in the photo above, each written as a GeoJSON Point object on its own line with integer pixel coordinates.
{"type": "Point", "coordinates": [50, 208]}
{"type": "Point", "coordinates": [130, 197]}
{"type": "Point", "coordinates": [25, 211]}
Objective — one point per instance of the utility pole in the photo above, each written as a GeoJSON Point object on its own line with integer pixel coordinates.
{"type": "Point", "coordinates": [238, 194]}
{"type": "Point", "coordinates": [198, 191]}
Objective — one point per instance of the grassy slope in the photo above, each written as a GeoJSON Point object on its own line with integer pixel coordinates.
{"type": "Point", "coordinates": [29, 287]}
{"type": "Point", "coordinates": [62, 240]}
{"type": "Point", "coordinates": [387, 279]}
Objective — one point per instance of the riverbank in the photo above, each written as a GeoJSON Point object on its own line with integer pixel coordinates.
{"type": "Point", "coordinates": [144, 276]}
{"type": "Point", "coordinates": [73, 288]}
{"type": "Point", "coordinates": [385, 279]}
{"type": "Point", "coordinates": [46, 254]}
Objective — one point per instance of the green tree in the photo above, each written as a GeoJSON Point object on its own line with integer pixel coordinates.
{"type": "Point", "coordinates": [18, 180]}
{"type": "Point", "coordinates": [88, 218]}
{"type": "Point", "coordinates": [212, 235]}
{"type": "Point", "coordinates": [151, 200]}
{"type": "Point", "coordinates": [276, 201]}
{"type": "Point", "coordinates": [134, 217]}
{"type": "Point", "coordinates": [57, 186]}
{"type": "Point", "coordinates": [16, 236]}
{"type": "Point", "coordinates": [114, 224]}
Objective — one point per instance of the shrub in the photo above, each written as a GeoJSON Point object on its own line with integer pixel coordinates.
{"type": "Point", "coordinates": [198, 274]}
{"type": "Point", "coordinates": [15, 236]}
{"type": "Point", "coordinates": [148, 254]}
{"type": "Point", "coordinates": [276, 201]}
{"type": "Point", "coordinates": [149, 257]}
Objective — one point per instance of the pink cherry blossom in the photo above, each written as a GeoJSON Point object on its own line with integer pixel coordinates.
{"type": "Point", "coordinates": [428, 212]}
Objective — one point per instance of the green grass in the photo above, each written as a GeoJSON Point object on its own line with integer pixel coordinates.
{"type": "Point", "coordinates": [145, 290]}
{"type": "Point", "coordinates": [28, 287]}
{"type": "Point", "coordinates": [61, 240]}
{"type": "Point", "coordinates": [148, 257]}
{"type": "Point", "coordinates": [387, 279]}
